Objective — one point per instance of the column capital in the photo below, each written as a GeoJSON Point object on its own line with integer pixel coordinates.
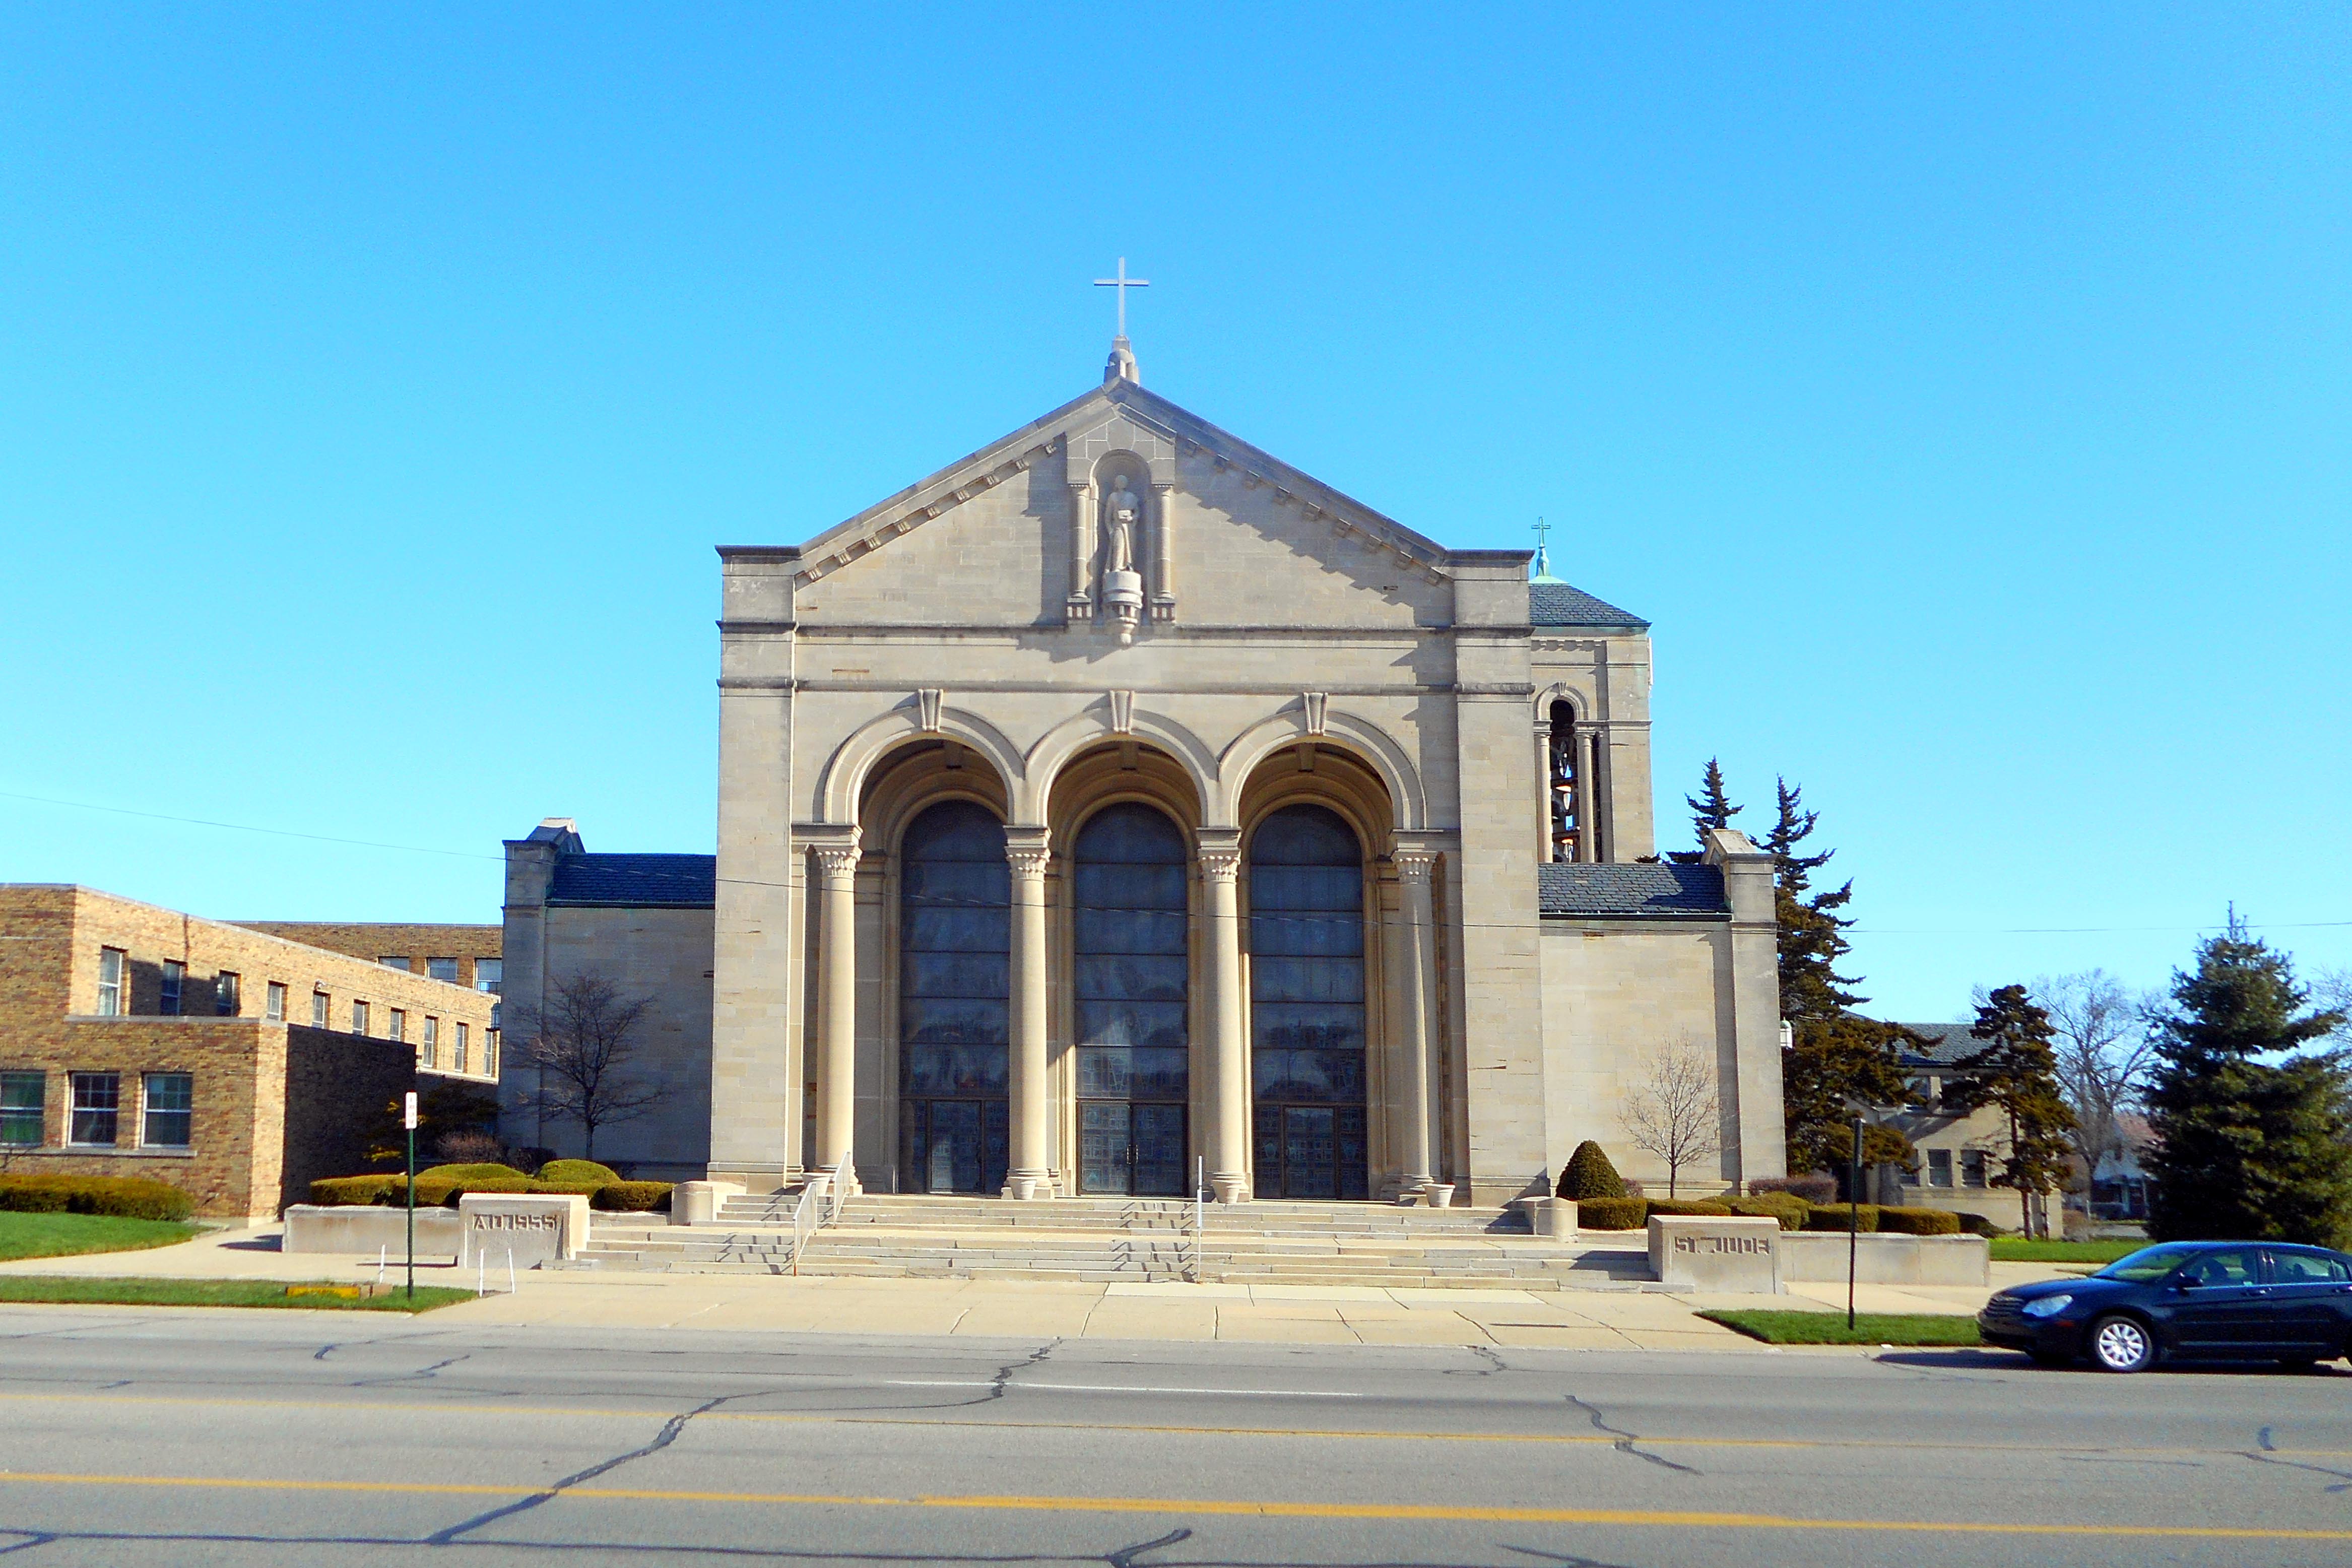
{"type": "Point", "coordinates": [1413, 863]}
{"type": "Point", "coordinates": [1219, 852]}
{"type": "Point", "coordinates": [837, 857]}
{"type": "Point", "coordinates": [1028, 850]}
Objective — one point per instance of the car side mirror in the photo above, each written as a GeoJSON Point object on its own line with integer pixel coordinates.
{"type": "Point", "coordinates": [2184, 1284]}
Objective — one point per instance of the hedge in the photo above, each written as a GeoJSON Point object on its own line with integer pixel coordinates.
{"type": "Point", "coordinates": [1686, 1206]}
{"type": "Point", "coordinates": [578, 1171]}
{"type": "Point", "coordinates": [352, 1191]}
{"type": "Point", "coordinates": [630, 1197]}
{"type": "Point", "coordinates": [120, 1197]}
{"type": "Point", "coordinates": [1787, 1207]}
{"type": "Point", "coordinates": [1919, 1222]}
{"type": "Point", "coordinates": [469, 1173]}
{"type": "Point", "coordinates": [1589, 1175]}
{"type": "Point", "coordinates": [1814, 1186]}
{"type": "Point", "coordinates": [1977, 1224]}
{"type": "Point", "coordinates": [1611, 1213]}
{"type": "Point", "coordinates": [577, 1189]}
{"type": "Point", "coordinates": [1833, 1216]}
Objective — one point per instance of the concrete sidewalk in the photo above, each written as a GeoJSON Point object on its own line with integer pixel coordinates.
{"type": "Point", "coordinates": [1620, 1319]}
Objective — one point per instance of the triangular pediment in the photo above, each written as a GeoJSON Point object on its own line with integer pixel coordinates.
{"type": "Point", "coordinates": [1119, 416]}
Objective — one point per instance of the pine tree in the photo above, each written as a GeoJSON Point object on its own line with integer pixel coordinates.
{"type": "Point", "coordinates": [2016, 1071]}
{"type": "Point", "coordinates": [1832, 1065]}
{"type": "Point", "coordinates": [1711, 807]}
{"type": "Point", "coordinates": [2245, 1148]}
{"type": "Point", "coordinates": [1812, 933]}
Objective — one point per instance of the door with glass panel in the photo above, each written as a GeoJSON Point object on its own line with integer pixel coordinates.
{"type": "Point", "coordinates": [1306, 1007]}
{"type": "Point", "coordinates": [1129, 983]}
{"type": "Point", "coordinates": [955, 894]}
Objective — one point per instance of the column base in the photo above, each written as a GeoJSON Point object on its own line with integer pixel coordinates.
{"type": "Point", "coordinates": [1231, 1189]}
{"type": "Point", "coordinates": [1023, 1187]}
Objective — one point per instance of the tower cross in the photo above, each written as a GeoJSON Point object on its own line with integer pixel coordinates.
{"type": "Point", "coordinates": [1122, 283]}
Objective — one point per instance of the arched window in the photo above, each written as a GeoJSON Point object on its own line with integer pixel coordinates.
{"type": "Point", "coordinates": [1131, 982]}
{"type": "Point", "coordinates": [955, 895]}
{"type": "Point", "coordinates": [1567, 831]}
{"type": "Point", "coordinates": [1306, 1005]}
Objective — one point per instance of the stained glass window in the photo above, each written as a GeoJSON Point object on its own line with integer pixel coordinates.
{"type": "Point", "coordinates": [1307, 1004]}
{"type": "Point", "coordinates": [955, 895]}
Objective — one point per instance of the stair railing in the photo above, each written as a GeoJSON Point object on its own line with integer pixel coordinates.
{"type": "Point", "coordinates": [821, 1202]}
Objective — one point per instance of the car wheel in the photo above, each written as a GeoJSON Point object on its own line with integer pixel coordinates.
{"type": "Point", "coordinates": [2122, 1344]}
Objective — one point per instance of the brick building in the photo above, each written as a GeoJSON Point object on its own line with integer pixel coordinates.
{"type": "Point", "coordinates": [466, 956]}
{"type": "Point", "coordinates": [229, 1062]}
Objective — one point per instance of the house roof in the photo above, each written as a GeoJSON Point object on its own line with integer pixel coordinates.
{"type": "Point", "coordinates": [1640, 891]}
{"type": "Point", "coordinates": [1559, 604]}
{"type": "Point", "coordinates": [635, 881]}
{"type": "Point", "coordinates": [1949, 1044]}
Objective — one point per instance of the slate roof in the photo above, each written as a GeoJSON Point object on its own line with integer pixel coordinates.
{"type": "Point", "coordinates": [635, 881]}
{"type": "Point", "coordinates": [1558, 605]}
{"type": "Point", "coordinates": [1949, 1044]}
{"type": "Point", "coordinates": [1639, 891]}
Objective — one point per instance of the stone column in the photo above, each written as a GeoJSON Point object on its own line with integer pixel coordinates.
{"type": "Point", "coordinates": [1082, 551]}
{"type": "Point", "coordinates": [1543, 787]}
{"type": "Point", "coordinates": [1417, 949]}
{"type": "Point", "coordinates": [1221, 864]}
{"type": "Point", "coordinates": [1032, 1119]}
{"type": "Point", "coordinates": [1163, 553]}
{"type": "Point", "coordinates": [836, 1003]}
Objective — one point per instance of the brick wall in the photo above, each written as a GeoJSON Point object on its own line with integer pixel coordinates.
{"type": "Point", "coordinates": [468, 944]}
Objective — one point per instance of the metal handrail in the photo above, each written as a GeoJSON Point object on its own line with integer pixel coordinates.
{"type": "Point", "coordinates": [819, 1206]}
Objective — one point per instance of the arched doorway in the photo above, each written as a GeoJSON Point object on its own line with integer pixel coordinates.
{"type": "Point", "coordinates": [1129, 983]}
{"type": "Point", "coordinates": [1306, 1005]}
{"type": "Point", "coordinates": [955, 893]}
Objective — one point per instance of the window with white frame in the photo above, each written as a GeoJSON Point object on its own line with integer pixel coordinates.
{"type": "Point", "coordinates": [1972, 1167]}
{"type": "Point", "coordinates": [396, 1025]}
{"type": "Point", "coordinates": [228, 995]}
{"type": "Point", "coordinates": [441, 969]}
{"type": "Point", "coordinates": [458, 1057]}
{"type": "Point", "coordinates": [175, 982]}
{"type": "Point", "coordinates": [430, 1043]}
{"type": "Point", "coordinates": [274, 1003]}
{"type": "Point", "coordinates": [169, 1106]}
{"type": "Point", "coordinates": [24, 1100]}
{"type": "Point", "coordinates": [1939, 1167]}
{"type": "Point", "coordinates": [396, 963]}
{"type": "Point", "coordinates": [319, 1006]}
{"type": "Point", "coordinates": [489, 1053]}
{"type": "Point", "coordinates": [110, 982]}
{"type": "Point", "coordinates": [97, 1099]}
{"type": "Point", "coordinates": [489, 973]}
{"type": "Point", "coordinates": [359, 1017]}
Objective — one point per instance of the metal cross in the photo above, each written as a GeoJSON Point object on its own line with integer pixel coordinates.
{"type": "Point", "coordinates": [1542, 528]}
{"type": "Point", "coordinates": [1122, 283]}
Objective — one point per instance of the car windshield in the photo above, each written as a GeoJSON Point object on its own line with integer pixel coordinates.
{"type": "Point", "coordinates": [2148, 1263]}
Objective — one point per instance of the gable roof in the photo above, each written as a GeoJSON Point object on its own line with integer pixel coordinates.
{"type": "Point", "coordinates": [1001, 460]}
{"type": "Point", "coordinates": [1643, 890]}
{"type": "Point", "coordinates": [1949, 1045]}
{"type": "Point", "coordinates": [1559, 604]}
{"type": "Point", "coordinates": [635, 881]}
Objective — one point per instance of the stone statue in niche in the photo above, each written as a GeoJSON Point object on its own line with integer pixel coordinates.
{"type": "Point", "coordinates": [1122, 584]}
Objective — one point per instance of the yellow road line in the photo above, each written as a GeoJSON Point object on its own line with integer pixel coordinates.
{"type": "Point", "coordinates": [797, 1418]}
{"type": "Point", "coordinates": [1431, 1512]}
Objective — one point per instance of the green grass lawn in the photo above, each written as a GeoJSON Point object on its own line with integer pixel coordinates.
{"type": "Point", "coordinates": [1869, 1328]}
{"type": "Point", "coordinates": [2016, 1249]}
{"type": "Point", "coordinates": [218, 1293]}
{"type": "Point", "coordinates": [62, 1235]}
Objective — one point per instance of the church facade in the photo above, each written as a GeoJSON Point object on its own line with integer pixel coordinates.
{"type": "Point", "coordinates": [1120, 807]}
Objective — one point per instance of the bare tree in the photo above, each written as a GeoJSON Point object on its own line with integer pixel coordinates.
{"type": "Point", "coordinates": [1676, 1115]}
{"type": "Point", "coordinates": [2331, 991]}
{"type": "Point", "coordinates": [2104, 1054]}
{"type": "Point", "coordinates": [582, 1043]}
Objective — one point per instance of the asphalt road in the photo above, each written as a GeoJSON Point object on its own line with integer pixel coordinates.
{"type": "Point", "coordinates": [270, 1438]}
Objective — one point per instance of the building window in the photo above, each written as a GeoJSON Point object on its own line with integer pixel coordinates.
{"type": "Point", "coordinates": [458, 1057]}
{"type": "Point", "coordinates": [171, 1100]}
{"type": "Point", "coordinates": [97, 1095]}
{"type": "Point", "coordinates": [318, 1009]}
{"type": "Point", "coordinates": [441, 969]}
{"type": "Point", "coordinates": [24, 1098]}
{"type": "Point", "coordinates": [359, 1017]}
{"type": "Point", "coordinates": [175, 980]}
{"type": "Point", "coordinates": [396, 964]}
{"type": "Point", "coordinates": [489, 1053]}
{"type": "Point", "coordinates": [1567, 833]}
{"type": "Point", "coordinates": [110, 982]}
{"type": "Point", "coordinates": [1910, 1175]}
{"type": "Point", "coordinates": [431, 1055]}
{"type": "Point", "coordinates": [274, 1002]}
{"type": "Point", "coordinates": [228, 997]}
{"type": "Point", "coordinates": [1939, 1167]}
{"type": "Point", "coordinates": [398, 1022]}
{"type": "Point", "coordinates": [1972, 1167]}
{"type": "Point", "coordinates": [489, 973]}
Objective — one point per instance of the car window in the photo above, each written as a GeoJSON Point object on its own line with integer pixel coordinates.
{"type": "Point", "coordinates": [2219, 1269]}
{"type": "Point", "coordinates": [2307, 1268]}
{"type": "Point", "coordinates": [2149, 1263]}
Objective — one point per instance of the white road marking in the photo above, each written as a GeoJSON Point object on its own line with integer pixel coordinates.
{"type": "Point", "coordinates": [1125, 1388]}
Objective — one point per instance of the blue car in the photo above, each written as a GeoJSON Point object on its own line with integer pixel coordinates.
{"type": "Point", "coordinates": [2186, 1300]}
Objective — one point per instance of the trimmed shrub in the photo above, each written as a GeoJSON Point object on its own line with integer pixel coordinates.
{"type": "Point", "coordinates": [118, 1198]}
{"type": "Point", "coordinates": [1687, 1206]}
{"type": "Point", "coordinates": [1611, 1213]}
{"type": "Point", "coordinates": [469, 1173]}
{"type": "Point", "coordinates": [581, 1189]}
{"type": "Point", "coordinates": [352, 1191]}
{"type": "Point", "coordinates": [1814, 1186]}
{"type": "Point", "coordinates": [1977, 1224]}
{"type": "Point", "coordinates": [443, 1192]}
{"type": "Point", "coordinates": [1589, 1175]}
{"type": "Point", "coordinates": [630, 1197]}
{"type": "Point", "coordinates": [1787, 1207]}
{"type": "Point", "coordinates": [1833, 1216]}
{"type": "Point", "coordinates": [578, 1171]}
{"type": "Point", "coordinates": [1919, 1222]}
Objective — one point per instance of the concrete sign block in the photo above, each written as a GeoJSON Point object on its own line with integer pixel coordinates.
{"type": "Point", "coordinates": [1712, 1252]}
{"type": "Point", "coordinates": [535, 1228]}
{"type": "Point", "coordinates": [369, 1232]}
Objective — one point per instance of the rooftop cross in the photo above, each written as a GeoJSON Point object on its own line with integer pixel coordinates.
{"type": "Point", "coordinates": [1122, 283]}
{"type": "Point", "coordinates": [1543, 555]}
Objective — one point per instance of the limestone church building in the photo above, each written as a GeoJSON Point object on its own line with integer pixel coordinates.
{"type": "Point", "coordinates": [1120, 806]}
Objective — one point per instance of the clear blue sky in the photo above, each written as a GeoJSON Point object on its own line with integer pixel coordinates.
{"type": "Point", "coordinates": [1961, 391]}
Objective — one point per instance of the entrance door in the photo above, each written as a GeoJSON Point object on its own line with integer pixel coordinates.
{"type": "Point", "coordinates": [955, 894]}
{"type": "Point", "coordinates": [1131, 980]}
{"type": "Point", "coordinates": [1306, 1007]}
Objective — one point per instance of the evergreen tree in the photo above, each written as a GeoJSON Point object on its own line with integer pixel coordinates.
{"type": "Point", "coordinates": [2016, 1071]}
{"type": "Point", "coordinates": [2246, 1147]}
{"type": "Point", "coordinates": [1589, 1174]}
{"type": "Point", "coordinates": [1832, 1065]}
{"type": "Point", "coordinates": [1711, 807]}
